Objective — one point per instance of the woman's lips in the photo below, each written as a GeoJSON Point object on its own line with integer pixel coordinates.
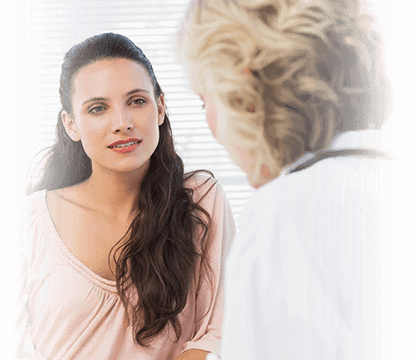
{"type": "Point", "coordinates": [125, 146]}
{"type": "Point", "coordinates": [124, 142]}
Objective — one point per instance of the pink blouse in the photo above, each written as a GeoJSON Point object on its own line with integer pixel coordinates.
{"type": "Point", "coordinates": [68, 312]}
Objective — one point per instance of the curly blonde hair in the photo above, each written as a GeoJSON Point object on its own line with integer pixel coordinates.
{"type": "Point", "coordinates": [316, 69]}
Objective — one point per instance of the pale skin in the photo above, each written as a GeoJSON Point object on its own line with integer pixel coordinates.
{"type": "Point", "coordinates": [112, 100]}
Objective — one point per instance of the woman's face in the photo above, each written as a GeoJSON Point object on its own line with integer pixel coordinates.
{"type": "Point", "coordinates": [115, 115]}
{"type": "Point", "coordinates": [242, 157]}
{"type": "Point", "coordinates": [210, 113]}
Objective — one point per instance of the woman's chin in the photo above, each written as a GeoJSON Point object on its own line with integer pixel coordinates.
{"type": "Point", "coordinates": [255, 183]}
{"type": "Point", "coordinates": [259, 182]}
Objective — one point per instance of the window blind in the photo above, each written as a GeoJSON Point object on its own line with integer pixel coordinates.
{"type": "Point", "coordinates": [55, 26]}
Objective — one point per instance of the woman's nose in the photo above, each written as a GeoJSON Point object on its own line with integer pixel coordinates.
{"type": "Point", "coordinates": [122, 121]}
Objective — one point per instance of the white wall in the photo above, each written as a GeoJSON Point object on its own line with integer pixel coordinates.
{"type": "Point", "coordinates": [404, 188]}
{"type": "Point", "coordinates": [7, 183]}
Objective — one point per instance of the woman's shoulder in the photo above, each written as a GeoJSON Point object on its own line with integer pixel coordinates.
{"type": "Point", "coordinates": [207, 191]}
{"type": "Point", "coordinates": [201, 182]}
{"type": "Point", "coordinates": [319, 186]}
{"type": "Point", "coordinates": [32, 220]}
{"type": "Point", "coordinates": [280, 196]}
{"type": "Point", "coordinates": [30, 202]}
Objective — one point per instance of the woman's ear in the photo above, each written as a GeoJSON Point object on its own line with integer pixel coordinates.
{"type": "Point", "coordinates": [70, 126]}
{"type": "Point", "coordinates": [160, 110]}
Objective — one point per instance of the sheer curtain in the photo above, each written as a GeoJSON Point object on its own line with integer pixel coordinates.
{"type": "Point", "coordinates": [55, 26]}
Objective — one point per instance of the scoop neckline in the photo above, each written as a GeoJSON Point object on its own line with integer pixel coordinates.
{"type": "Point", "coordinates": [107, 284]}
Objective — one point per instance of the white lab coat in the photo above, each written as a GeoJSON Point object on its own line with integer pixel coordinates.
{"type": "Point", "coordinates": [303, 278]}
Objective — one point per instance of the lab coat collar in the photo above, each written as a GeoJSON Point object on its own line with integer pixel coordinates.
{"type": "Point", "coordinates": [347, 140]}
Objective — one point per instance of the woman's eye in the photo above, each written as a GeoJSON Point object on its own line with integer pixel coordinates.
{"type": "Point", "coordinates": [138, 101]}
{"type": "Point", "coordinates": [96, 109]}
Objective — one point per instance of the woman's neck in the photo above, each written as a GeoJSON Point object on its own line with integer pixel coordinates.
{"type": "Point", "coordinates": [113, 193]}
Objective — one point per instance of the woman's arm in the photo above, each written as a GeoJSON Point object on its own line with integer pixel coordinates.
{"type": "Point", "coordinates": [209, 287]}
{"type": "Point", "coordinates": [193, 354]}
{"type": "Point", "coordinates": [26, 350]}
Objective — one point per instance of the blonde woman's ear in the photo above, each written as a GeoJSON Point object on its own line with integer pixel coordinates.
{"type": "Point", "coordinates": [70, 126]}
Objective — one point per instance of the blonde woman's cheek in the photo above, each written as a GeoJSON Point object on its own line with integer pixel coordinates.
{"type": "Point", "coordinates": [212, 123]}
{"type": "Point", "coordinates": [210, 114]}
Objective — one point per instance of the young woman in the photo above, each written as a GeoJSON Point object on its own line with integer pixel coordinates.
{"type": "Point", "coordinates": [122, 252]}
{"type": "Point", "coordinates": [294, 90]}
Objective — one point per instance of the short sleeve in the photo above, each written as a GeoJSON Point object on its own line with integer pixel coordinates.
{"type": "Point", "coordinates": [27, 214]}
{"type": "Point", "coordinates": [210, 290]}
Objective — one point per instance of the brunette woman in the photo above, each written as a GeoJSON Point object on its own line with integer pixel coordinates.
{"type": "Point", "coordinates": [122, 251]}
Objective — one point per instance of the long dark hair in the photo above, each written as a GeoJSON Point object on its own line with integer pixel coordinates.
{"type": "Point", "coordinates": [159, 256]}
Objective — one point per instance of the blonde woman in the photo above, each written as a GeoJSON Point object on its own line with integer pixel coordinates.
{"type": "Point", "coordinates": [295, 91]}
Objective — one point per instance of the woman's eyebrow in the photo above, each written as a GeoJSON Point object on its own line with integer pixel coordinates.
{"type": "Point", "coordinates": [137, 90]}
{"type": "Point", "coordinates": [95, 99]}
{"type": "Point", "coordinates": [106, 99]}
